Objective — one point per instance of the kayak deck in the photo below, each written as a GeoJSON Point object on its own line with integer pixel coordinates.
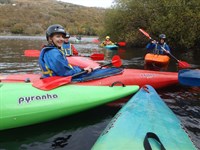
{"type": "Point", "coordinates": [22, 104]}
{"type": "Point", "coordinates": [158, 60]}
{"type": "Point", "coordinates": [144, 115]}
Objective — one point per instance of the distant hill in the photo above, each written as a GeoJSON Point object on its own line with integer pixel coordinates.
{"type": "Point", "coordinates": [33, 17]}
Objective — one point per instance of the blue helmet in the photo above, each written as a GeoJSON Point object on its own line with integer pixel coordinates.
{"type": "Point", "coordinates": [162, 36]}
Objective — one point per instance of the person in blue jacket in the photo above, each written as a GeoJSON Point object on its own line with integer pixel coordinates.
{"type": "Point", "coordinates": [160, 47]}
{"type": "Point", "coordinates": [68, 47]}
{"type": "Point", "coordinates": [52, 60]}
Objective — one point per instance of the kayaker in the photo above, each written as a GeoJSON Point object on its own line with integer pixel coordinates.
{"type": "Point", "coordinates": [107, 41]}
{"type": "Point", "coordinates": [156, 47]}
{"type": "Point", "coordinates": [78, 37]}
{"type": "Point", "coordinates": [52, 60]}
{"type": "Point", "coordinates": [68, 47]}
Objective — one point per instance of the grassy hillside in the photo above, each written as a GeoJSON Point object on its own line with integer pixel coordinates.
{"type": "Point", "coordinates": [33, 17]}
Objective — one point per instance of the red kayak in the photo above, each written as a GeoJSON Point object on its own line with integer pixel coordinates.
{"type": "Point", "coordinates": [128, 77]}
{"type": "Point", "coordinates": [82, 62]}
{"type": "Point", "coordinates": [138, 77]}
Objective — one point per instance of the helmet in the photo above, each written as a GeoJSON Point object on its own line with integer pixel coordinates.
{"type": "Point", "coordinates": [56, 28]}
{"type": "Point", "coordinates": [67, 35]}
{"type": "Point", "coordinates": [107, 37]}
{"type": "Point", "coordinates": [162, 36]}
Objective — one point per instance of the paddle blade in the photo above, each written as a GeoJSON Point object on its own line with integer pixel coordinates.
{"type": "Point", "coordinates": [97, 56]}
{"type": "Point", "coordinates": [183, 64]}
{"type": "Point", "coordinates": [96, 41]}
{"type": "Point", "coordinates": [32, 53]}
{"type": "Point", "coordinates": [116, 61]}
{"type": "Point", "coordinates": [145, 33]}
{"type": "Point", "coordinates": [51, 82]}
{"type": "Point", "coordinates": [122, 44]}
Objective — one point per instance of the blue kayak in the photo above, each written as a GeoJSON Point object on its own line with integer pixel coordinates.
{"type": "Point", "coordinates": [189, 77]}
{"type": "Point", "coordinates": [111, 47]}
{"type": "Point", "coordinates": [145, 122]}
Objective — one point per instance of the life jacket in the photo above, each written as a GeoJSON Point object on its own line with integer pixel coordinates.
{"type": "Point", "coordinates": [158, 49]}
{"type": "Point", "coordinates": [107, 42]}
{"type": "Point", "coordinates": [67, 47]}
{"type": "Point", "coordinates": [46, 71]}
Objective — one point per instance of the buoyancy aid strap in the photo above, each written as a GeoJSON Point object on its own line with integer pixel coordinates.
{"type": "Point", "coordinates": [49, 72]}
{"type": "Point", "coordinates": [70, 49]}
{"type": "Point", "coordinates": [63, 51]}
{"type": "Point", "coordinates": [67, 51]}
{"type": "Point", "coordinates": [70, 66]}
{"type": "Point", "coordinates": [156, 51]}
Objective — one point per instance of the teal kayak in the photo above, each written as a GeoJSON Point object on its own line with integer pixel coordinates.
{"type": "Point", "coordinates": [144, 121]}
{"type": "Point", "coordinates": [21, 104]}
{"type": "Point", "coordinates": [111, 47]}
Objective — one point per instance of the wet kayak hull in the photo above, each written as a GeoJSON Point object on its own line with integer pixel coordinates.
{"type": "Point", "coordinates": [22, 104]}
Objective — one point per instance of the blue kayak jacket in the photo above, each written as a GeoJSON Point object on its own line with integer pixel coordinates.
{"type": "Point", "coordinates": [156, 48]}
{"type": "Point", "coordinates": [53, 62]}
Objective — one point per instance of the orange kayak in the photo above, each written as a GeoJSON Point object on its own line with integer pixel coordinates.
{"type": "Point", "coordinates": [158, 60]}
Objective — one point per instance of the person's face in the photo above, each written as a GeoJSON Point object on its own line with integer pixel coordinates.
{"type": "Point", "coordinates": [57, 39]}
{"type": "Point", "coordinates": [66, 39]}
{"type": "Point", "coordinates": [162, 40]}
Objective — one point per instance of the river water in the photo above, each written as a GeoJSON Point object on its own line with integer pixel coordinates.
{"type": "Point", "coordinates": [80, 131]}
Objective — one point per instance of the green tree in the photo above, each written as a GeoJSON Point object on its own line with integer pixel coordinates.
{"type": "Point", "coordinates": [178, 19]}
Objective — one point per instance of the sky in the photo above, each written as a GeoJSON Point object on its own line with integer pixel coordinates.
{"type": "Point", "coordinates": [91, 3]}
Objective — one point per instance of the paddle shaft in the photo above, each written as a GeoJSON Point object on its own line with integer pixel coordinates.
{"type": "Point", "coordinates": [181, 63]}
{"type": "Point", "coordinates": [85, 71]}
{"type": "Point", "coordinates": [170, 54]}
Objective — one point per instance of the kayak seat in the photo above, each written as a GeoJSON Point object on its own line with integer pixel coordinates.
{"type": "Point", "coordinates": [117, 82]}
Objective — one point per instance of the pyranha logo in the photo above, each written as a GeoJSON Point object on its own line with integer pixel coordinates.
{"type": "Point", "coordinates": [148, 75]}
{"type": "Point", "coordinates": [28, 99]}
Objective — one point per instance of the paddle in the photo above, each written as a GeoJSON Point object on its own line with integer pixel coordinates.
{"type": "Point", "coordinates": [181, 64]}
{"type": "Point", "coordinates": [189, 77]}
{"type": "Point", "coordinates": [95, 41]}
{"type": "Point", "coordinates": [36, 53]}
{"type": "Point", "coordinates": [32, 53]}
{"type": "Point", "coordinates": [121, 44]}
{"type": "Point", "coordinates": [95, 56]}
{"type": "Point", "coordinates": [56, 81]}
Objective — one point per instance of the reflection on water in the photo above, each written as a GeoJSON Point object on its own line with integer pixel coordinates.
{"type": "Point", "coordinates": [80, 131]}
